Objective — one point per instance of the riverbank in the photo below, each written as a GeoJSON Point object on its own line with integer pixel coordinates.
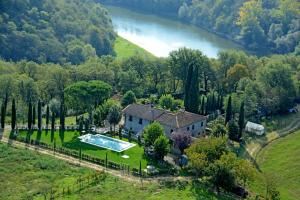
{"type": "Point", "coordinates": [125, 49]}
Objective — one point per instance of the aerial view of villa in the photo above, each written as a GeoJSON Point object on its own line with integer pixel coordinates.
{"type": "Point", "coordinates": [149, 99]}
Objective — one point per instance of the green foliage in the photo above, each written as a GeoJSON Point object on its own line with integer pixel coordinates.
{"type": "Point", "coordinates": [29, 119]}
{"type": "Point", "coordinates": [114, 115]}
{"type": "Point", "coordinates": [204, 151]}
{"type": "Point", "coordinates": [13, 115]}
{"type": "Point", "coordinates": [83, 96]}
{"type": "Point", "coordinates": [166, 101]}
{"type": "Point", "coordinates": [233, 130]}
{"type": "Point", "coordinates": [128, 98]}
{"type": "Point", "coordinates": [152, 132]}
{"type": "Point", "coordinates": [228, 114]}
{"type": "Point", "coordinates": [161, 147]}
{"type": "Point", "coordinates": [59, 32]}
{"type": "Point", "coordinates": [39, 115]}
{"type": "Point", "coordinates": [241, 119]}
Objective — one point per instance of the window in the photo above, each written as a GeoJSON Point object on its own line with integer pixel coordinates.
{"type": "Point", "coordinates": [141, 121]}
{"type": "Point", "coordinates": [188, 128]}
{"type": "Point", "coordinates": [193, 127]}
{"type": "Point", "coordinates": [201, 124]}
{"type": "Point", "coordinates": [130, 118]}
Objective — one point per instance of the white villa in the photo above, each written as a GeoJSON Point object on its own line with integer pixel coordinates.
{"type": "Point", "coordinates": [138, 116]}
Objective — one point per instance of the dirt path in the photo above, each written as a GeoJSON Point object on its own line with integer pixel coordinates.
{"type": "Point", "coordinates": [291, 128]}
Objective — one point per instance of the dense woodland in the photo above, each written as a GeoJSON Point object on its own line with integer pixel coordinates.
{"type": "Point", "coordinates": [57, 31]}
{"type": "Point", "coordinates": [267, 86]}
{"type": "Point", "coordinates": [262, 26]}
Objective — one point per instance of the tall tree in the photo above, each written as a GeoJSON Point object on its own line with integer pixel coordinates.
{"type": "Point", "coordinates": [241, 119]}
{"type": "Point", "coordinates": [29, 114]}
{"type": "Point", "coordinates": [114, 116]}
{"type": "Point", "coordinates": [62, 117]}
{"type": "Point", "coordinates": [53, 122]}
{"type": "Point", "coordinates": [191, 98]}
{"type": "Point", "coordinates": [13, 115]}
{"type": "Point", "coordinates": [3, 116]}
{"type": "Point", "coordinates": [47, 116]}
{"type": "Point", "coordinates": [40, 115]}
{"type": "Point", "coordinates": [203, 105]}
{"type": "Point", "coordinates": [33, 114]}
{"type": "Point", "coordinates": [228, 115]}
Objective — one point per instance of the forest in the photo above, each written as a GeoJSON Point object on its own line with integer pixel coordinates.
{"type": "Point", "coordinates": [263, 26]}
{"type": "Point", "coordinates": [267, 85]}
{"type": "Point", "coordinates": [57, 31]}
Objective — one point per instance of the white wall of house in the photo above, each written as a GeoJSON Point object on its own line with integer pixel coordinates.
{"type": "Point", "coordinates": [195, 129]}
{"type": "Point", "coordinates": [135, 124]}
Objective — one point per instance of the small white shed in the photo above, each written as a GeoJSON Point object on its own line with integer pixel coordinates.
{"type": "Point", "coordinates": [258, 129]}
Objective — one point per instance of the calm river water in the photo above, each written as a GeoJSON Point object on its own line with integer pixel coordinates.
{"type": "Point", "coordinates": [160, 36]}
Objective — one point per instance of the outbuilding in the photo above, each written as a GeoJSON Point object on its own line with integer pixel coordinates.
{"type": "Point", "coordinates": [258, 129]}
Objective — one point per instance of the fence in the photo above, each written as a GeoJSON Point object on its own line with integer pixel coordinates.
{"type": "Point", "coordinates": [124, 168]}
{"type": "Point", "coordinates": [80, 184]}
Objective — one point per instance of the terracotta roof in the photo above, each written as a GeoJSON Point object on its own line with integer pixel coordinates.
{"type": "Point", "coordinates": [148, 112]}
{"type": "Point", "coordinates": [143, 111]}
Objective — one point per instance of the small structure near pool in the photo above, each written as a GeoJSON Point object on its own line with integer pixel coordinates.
{"type": "Point", "coordinates": [257, 129]}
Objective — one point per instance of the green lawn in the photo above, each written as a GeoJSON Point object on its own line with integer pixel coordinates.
{"type": "Point", "coordinates": [125, 49]}
{"type": "Point", "coordinates": [25, 174]}
{"type": "Point", "coordinates": [282, 158]}
{"type": "Point", "coordinates": [71, 141]}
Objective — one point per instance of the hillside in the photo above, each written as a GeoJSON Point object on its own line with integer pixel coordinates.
{"type": "Point", "coordinates": [35, 175]}
{"type": "Point", "coordinates": [282, 159]}
{"type": "Point", "coordinates": [56, 31]}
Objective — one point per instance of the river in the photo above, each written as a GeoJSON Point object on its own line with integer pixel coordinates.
{"type": "Point", "coordinates": [160, 36]}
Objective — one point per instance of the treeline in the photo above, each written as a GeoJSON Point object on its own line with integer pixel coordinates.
{"type": "Point", "coordinates": [266, 86]}
{"type": "Point", "coordinates": [57, 31]}
{"type": "Point", "coordinates": [262, 26]}
{"type": "Point", "coordinates": [167, 8]}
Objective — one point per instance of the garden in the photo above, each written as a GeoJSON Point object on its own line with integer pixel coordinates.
{"type": "Point", "coordinates": [71, 141]}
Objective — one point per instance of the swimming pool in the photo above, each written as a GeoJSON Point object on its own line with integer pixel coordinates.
{"type": "Point", "coordinates": [106, 142]}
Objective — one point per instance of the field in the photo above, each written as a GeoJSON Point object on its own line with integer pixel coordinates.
{"type": "Point", "coordinates": [71, 141]}
{"type": "Point", "coordinates": [282, 158]}
{"type": "Point", "coordinates": [27, 175]}
{"type": "Point", "coordinates": [125, 49]}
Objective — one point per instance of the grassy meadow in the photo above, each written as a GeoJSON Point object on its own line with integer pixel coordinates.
{"type": "Point", "coordinates": [282, 158]}
{"type": "Point", "coordinates": [71, 141]}
{"type": "Point", "coordinates": [125, 49]}
{"type": "Point", "coordinates": [25, 174]}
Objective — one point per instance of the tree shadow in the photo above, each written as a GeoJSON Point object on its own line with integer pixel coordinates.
{"type": "Point", "coordinates": [62, 136]}
{"type": "Point", "coordinates": [39, 136]}
{"type": "Point", "coordinates": [52, 136]}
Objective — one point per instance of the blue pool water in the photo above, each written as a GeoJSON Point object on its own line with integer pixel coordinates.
{"type": "Point", "coordinates": [106, 142]}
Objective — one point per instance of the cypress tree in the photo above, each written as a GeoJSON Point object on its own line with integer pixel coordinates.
{"type": "Point", "coordinates": [191, 98]}
{"type": "Point", "coordinates": [40, 115]}
{"type": "Point", "coordinates": [33, 114]}
{"type": "Point", "coordinates": [13, 115]}
{"type": "Point", "coordinates": [203, 105]}
{"type": "Point", "coordinates": [47, 116]}
{"type": "Point", "coordinates": [140, 170]}
{"type": "Point", "coordinates": [62, 117]}
{"type": "Point", "coordinates": [207, 109]}
{"type": "Point", "coordinates": [29, 119]}
{"type": "Point", "coordinates": [53, 121]}
{"type": "Point", "coordinates": [228, 115]}
{"type": "Point", "coordinates": [241, 119]}
{"type": "Point", "coordinates": [3, 116]}
{"type": "Point", "coordinates": [213, 102]}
